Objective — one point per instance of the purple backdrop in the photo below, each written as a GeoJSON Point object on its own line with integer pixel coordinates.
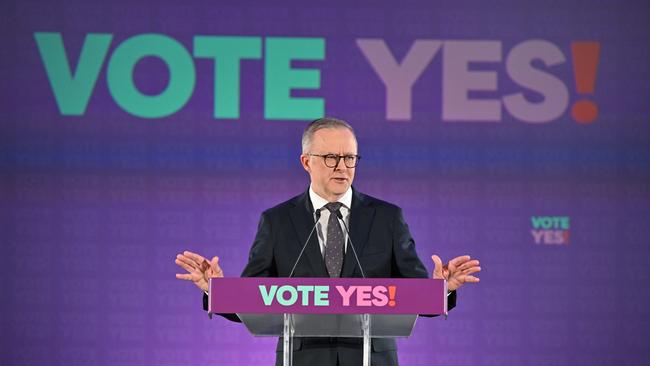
{"type": "Point", "coordinates": [95, 207]}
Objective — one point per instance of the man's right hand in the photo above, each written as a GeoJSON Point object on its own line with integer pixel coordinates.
{"type": "Point", "coordinates": [199, 269]}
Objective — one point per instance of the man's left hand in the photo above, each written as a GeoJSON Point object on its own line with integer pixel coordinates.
{"type": "Point", "coordinates": [457, 272]}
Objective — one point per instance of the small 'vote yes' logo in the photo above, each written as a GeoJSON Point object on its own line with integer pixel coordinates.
{"type": "Point", "coordinates": [550, 230]}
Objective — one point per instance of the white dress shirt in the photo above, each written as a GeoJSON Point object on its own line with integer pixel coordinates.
{"type": "Point", "coordinates": [318, 202]}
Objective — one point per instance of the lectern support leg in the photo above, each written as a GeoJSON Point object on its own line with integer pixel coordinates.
{"type": "Point", "coordinates": [287, 338]}
{"type": "Point", "coordinates": [365, 324]}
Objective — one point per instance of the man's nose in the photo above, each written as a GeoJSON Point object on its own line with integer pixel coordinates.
{"type": "Point", "coordinates": [341, 165]}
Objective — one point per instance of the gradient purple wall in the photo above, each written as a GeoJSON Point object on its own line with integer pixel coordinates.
{"type": "Point", "coordinates": [94, 208]}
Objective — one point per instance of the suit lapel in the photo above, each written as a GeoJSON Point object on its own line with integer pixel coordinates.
{"type": "Point", "coordinates": [361, 215]}
{"type": "Point", "coordinates": [302, 218]}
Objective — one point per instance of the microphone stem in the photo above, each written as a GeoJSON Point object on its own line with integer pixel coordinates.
{"type": "Point", "coordinates": [340, 216]}
{"type": "Point", "coordinates": [306, 242]}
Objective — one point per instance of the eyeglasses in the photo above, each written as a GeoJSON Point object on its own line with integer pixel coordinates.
{"type": "Point", "coordinates": [332, 160]}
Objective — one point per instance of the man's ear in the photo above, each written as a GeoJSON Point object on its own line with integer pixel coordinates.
{"type": "Point", "coordinates": [304, 160]}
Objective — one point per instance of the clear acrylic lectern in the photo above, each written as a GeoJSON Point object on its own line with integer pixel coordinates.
{"type": "Point", "coordinates": [325, 307]}
{"type": "Point", "coordinates": [329, 325]}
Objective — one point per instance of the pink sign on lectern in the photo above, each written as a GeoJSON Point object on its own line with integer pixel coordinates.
{"type": "Point", "coordinates": [264, 295]}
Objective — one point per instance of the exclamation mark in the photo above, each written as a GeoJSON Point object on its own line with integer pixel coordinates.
{"type": "Point", "coordinates": [585, 65]}
{"type": "Point", "coordinates": [391, 295]}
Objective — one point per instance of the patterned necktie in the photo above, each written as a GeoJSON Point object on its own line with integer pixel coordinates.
{"type": "Point", "coordinates": [335, 245]}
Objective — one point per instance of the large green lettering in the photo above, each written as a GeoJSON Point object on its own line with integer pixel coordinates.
{"type": "Point", "coordinates": [268, 294]}
{"type": "Point", "coordinates": [280, 78]}
{"type": "Point", "coordinates": [72, 92]}
{"type": "Point", "coordinates": [227, 53]}
{"type": "Point", "coordinates": [293, 295]}
{"type": "Point", "coordinates": [182, 76]}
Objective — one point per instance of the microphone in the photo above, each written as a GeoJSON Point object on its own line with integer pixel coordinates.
{"type": "Point", "coordinates": [306, 241]}
{"type": "Point", "coordinates": [340, 216]}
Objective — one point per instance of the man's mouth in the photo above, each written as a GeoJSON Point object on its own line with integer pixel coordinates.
{"type": "Point", "coordinates": [340, 179]}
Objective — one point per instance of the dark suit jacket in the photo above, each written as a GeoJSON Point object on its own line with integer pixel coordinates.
{"type": "Point", "coordinates": [385, 248]}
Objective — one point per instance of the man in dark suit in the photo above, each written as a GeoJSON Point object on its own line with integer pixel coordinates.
{"type": "Point", "coordinates": [378, 233]}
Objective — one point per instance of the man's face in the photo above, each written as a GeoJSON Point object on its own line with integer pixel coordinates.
{"type": "Point", "coordinates": [330, 183]}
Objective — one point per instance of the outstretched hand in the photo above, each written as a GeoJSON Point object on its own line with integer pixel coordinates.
{"type": "Point", "coordinates": [457, 272]}
{"type": "Point", "coordinates": [200, 269]}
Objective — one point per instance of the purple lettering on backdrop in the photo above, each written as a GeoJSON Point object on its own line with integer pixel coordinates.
{"type": "Point", "coordinates": [398, 78]}
{"type": "Point", "coordinates": [458, 81]}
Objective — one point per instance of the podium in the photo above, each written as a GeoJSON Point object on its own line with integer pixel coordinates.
{"type": "Point", "coordinates": [328, 307]}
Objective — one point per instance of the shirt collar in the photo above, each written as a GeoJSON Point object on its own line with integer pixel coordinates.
{"type": "Point", "coordinates": [318, 202]}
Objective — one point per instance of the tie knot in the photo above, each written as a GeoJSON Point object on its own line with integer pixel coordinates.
{"type": "Point", "coordinates": [333, 206]}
